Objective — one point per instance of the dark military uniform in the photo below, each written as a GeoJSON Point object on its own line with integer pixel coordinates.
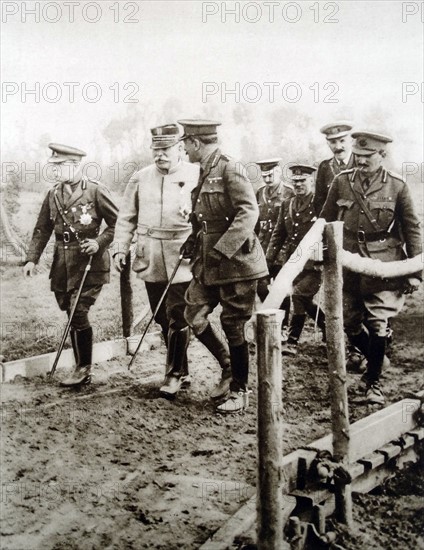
{"type": "Point", "coordinates": [224, 216]}
{"type": "Point", "coordinates": [82, 214]}
{"type": "Point", "coordinates": [327, 171]}
{"type": "Point", "coordinates": [85, 210]}
{"type": "Point", "coordinates": [296, 217]}
{"type": "Point", "coordinates": [371, 302]}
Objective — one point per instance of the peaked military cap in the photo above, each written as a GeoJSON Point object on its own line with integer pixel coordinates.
{"type": "Point", "coordinates": [164, 136]}
{"type": "Point", "coordinates": [368, 143]}
{"type": "Point", "coordinates": [61, 153]}
{"type": "Point", "coordinates": [267, 166]}
{"type": "Point", "coordinates": [301, 171]}
{"type": "Point", "coordinates": [337, 129]}
{"type": "Point", "coordinates": [198, 127]}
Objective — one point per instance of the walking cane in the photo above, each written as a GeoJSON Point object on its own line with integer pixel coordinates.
{"type": "Point", "coordinates": [156, 311]}
{"type": "Point", "coordinates": [68, 324]}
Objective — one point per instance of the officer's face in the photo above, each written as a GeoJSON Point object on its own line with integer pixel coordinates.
{"type": "Point", "coordinates": [192, 149]}
{"type": "Point", "coordinates": [340, 147]}
{"type": "Point", "coordinates": [274, 176]}
{"type": "Point", "coordinates": [369, 164]}
{"type": "Point", "coordinates": [69, 170]}
{"type": "Point", "coordinates": [303, 187]}
{"type": "Point", "coordinates": [168, 157]}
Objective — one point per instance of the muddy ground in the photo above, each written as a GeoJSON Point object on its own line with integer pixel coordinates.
{"type": "Point", "coordinates": [114, 466]}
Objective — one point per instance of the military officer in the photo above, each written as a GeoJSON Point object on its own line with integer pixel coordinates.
{"type": "Point", "coordinates": [340, 142]}
{"type": "Point", "coordinates": [74, 209]}
{"type": "Point", "coordinates": [296, 217]}
{"type": "Point", "coordinates": [227, 258]}
{"type": "Point", "coordinates": [156, 206]}
{"type": "Point", "coordinates": [270, 197]}
{"type": "Point", "coordinates": [379, 222]}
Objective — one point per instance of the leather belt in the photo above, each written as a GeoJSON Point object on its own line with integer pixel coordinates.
{"type": "Point", "coordinates": [163, 233]}
{"type": "Point", "coordinates": [363, 237]}
{"type": "Point", "coordinates": [215, 226]}
{"type": "Point", "coordinates": [70, 237]}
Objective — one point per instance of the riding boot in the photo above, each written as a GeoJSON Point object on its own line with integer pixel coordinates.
{"type": "Point", "coordinates": [82, 342]}
{"type": "Point", "coordinates": [176, 361]}
{"type": "Point", "coordinates": [376, 357]}
{"type": "Point", "coordinates": [219, 349]}
{"type": "Point", "coordinates": [238, 396]}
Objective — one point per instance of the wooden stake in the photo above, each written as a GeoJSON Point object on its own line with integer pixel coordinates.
{"type": "Point", "coordinates": [126, 297]}
{"type": "Point", "coordinates": [333, 286]}
{"type": "Point", "coordinates": [270, 432]}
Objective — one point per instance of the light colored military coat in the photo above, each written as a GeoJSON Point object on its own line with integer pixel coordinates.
{"type": "Point", "coordinates": [156, 207]}
{"type": "Point", "coordinates": [89, 205]}
{"type": "Point", "coordinates": [225, 214]}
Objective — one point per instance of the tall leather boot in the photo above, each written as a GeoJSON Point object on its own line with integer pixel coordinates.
{"type": "Point", "coordinates": [219, 349]}
{"type": "Point", "coordinates": [295, 330]}
{"type": "Point", "coordinates": [376, 359]}
{"type": "Point", "coordinates": [357, 352]}
{"type": "Point", "coordinates": [238, 398]}
{"type": "Point", "coordinates": [82, 341]}
{"type": "Point", "coordinates": [176, 361]}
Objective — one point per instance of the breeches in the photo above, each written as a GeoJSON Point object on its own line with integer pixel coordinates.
{"type": "Point", "coordinates": [372, 311]}
{"type": "Point", "coordinates": [88, 296]}
{"type": "Point", "coordinates": [171, 311]}
{"type": "Point", "coordinates": [237, 301]}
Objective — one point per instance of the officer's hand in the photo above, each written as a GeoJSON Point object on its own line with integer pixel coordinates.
{"type": "Point", "coordinates": [119, 260]}
{"type": "Point", "coordinates": [411, 285]}
{"type": "Point", "coordinates": [214, 258]}
{"type": "Point", "coordinates": [187, 250]}
{"type": "Point", "coordinates": [89, 246]}
{"type": "Point", "coordinates": [29, 269]}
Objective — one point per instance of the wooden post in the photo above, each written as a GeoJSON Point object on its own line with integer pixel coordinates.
{"type": "Point", "coordinates": [333, 286]}
{"type": "Point", "coordinates": [269, 502]}
{"type": "Point", "coordinates": [126, 297]}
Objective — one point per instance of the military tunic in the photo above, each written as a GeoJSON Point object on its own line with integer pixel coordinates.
{"type": "Point", "coordinates": [369, 299]}
{"type": "Point", "coordinates": [296, 217]}
{"type": "Point", "coordinates": [224, 217]}
{"type": "Point", "coordinates": [270, 198]}
{"type": "Point", "coordinates": [327, 171]}
{"type": "Point", "coordinates": [85, 210]}
{"type": "Point", "coordinates": [156, 206]}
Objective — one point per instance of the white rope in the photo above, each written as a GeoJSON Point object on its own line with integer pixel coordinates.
{"type": "Point", "coordinates": [377, 268]}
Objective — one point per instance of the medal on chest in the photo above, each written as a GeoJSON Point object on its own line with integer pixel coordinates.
{"type": "Point", "coordinates": [85, 218]}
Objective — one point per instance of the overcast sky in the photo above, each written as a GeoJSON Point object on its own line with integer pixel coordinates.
{"type": "Point", "coordinates": [173, 48]}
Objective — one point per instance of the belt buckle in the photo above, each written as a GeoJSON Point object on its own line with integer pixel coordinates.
{"type": "Point", "coordinates": [66, 237]}
{"type": "Point", "coordinates": [204, 226]}
{"type": "Point", "coordinates": [361, 237]}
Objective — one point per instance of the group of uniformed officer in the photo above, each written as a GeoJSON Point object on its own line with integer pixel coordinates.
{"type": "Point", "coordinates": [203, 216]}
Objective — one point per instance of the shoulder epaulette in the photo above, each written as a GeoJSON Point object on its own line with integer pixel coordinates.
{"type": "Point", "coordinates": [396, 176]}
{"type": "Point", "coordinates": [224, 157]}
{"type": "Point", "coordinates": [347, 171]}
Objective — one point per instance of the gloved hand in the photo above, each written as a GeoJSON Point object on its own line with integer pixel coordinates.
{"type": "Point", "coordinates": [89, 246]}
{"type": "Point", "coordinates": [119, 260]}
{"type": "Point", "coordinates": [187, 249]}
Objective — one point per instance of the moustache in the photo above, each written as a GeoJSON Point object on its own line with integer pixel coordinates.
{"type": "Point", "coordinates": [339, 150]}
